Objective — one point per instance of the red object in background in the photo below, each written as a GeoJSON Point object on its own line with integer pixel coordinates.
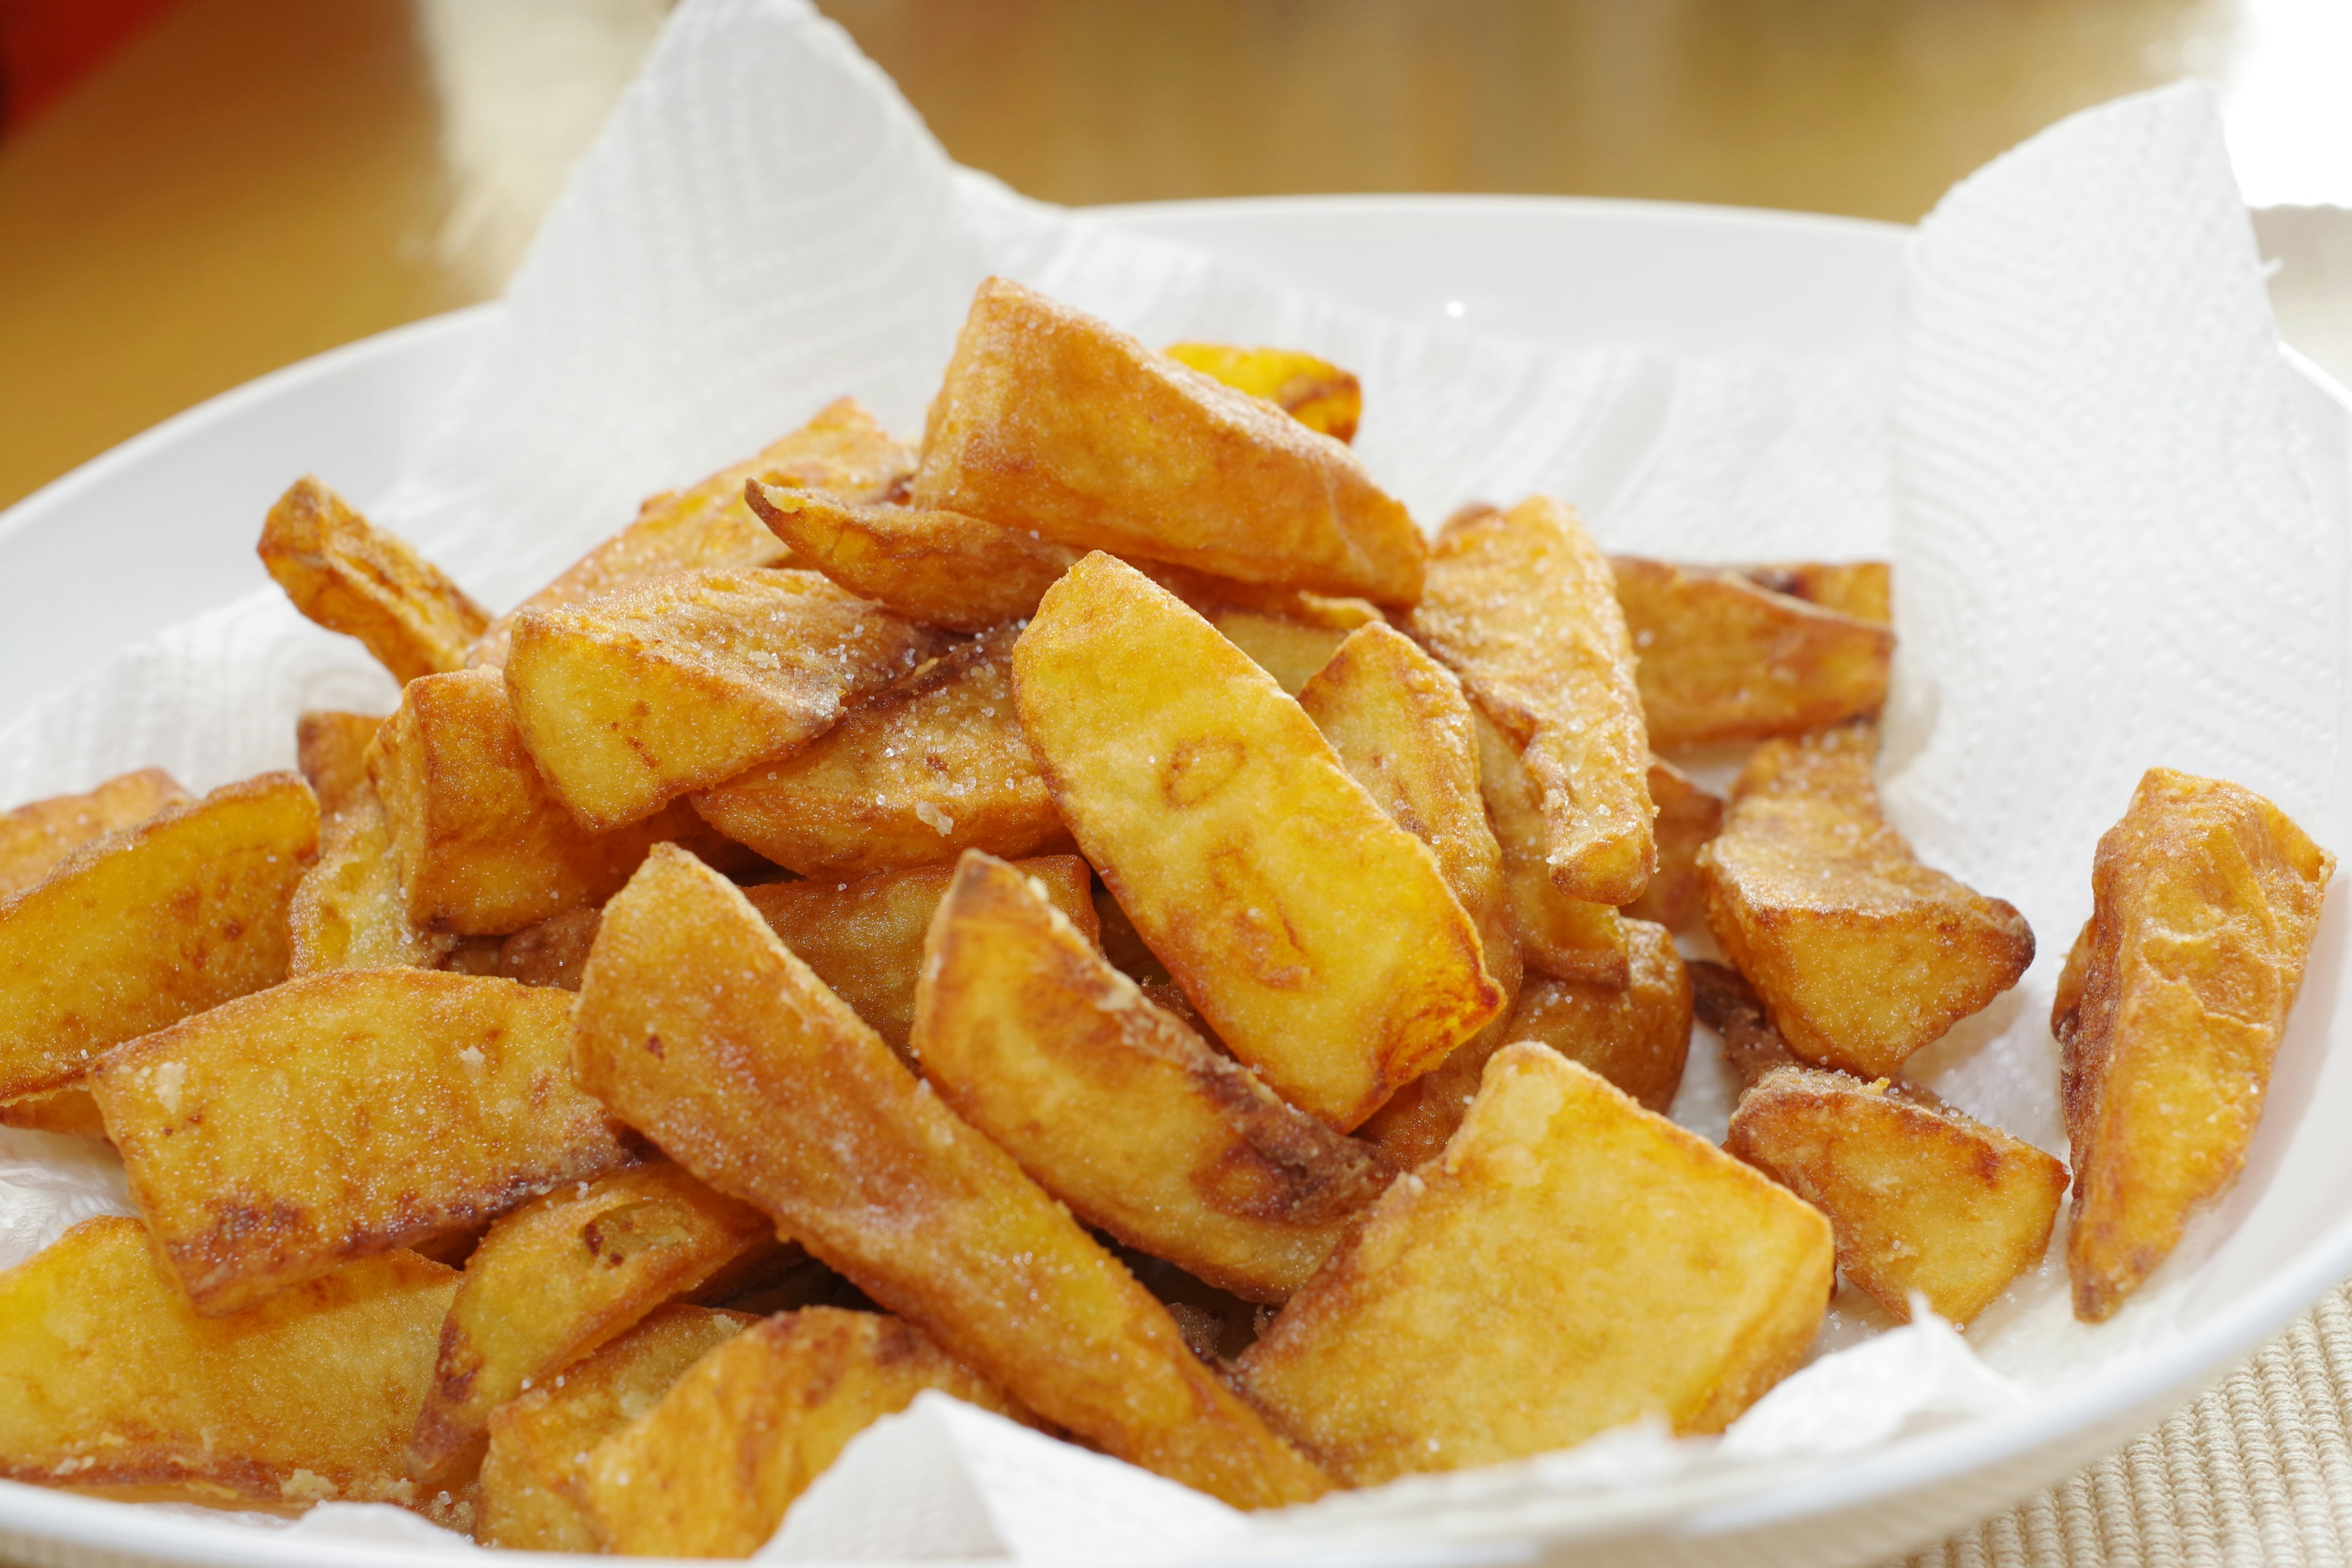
{"type": "Point", "coordinates": [47, 45]}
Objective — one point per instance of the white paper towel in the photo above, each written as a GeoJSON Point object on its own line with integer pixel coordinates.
{"type": "Point", "coordinates": [2104, 558]}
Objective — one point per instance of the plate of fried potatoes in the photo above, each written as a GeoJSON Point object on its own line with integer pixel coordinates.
{"type": "Point", "coordinates": [629, 1050]}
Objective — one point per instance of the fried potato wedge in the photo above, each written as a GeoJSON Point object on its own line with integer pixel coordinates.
{"type": "Point", "coordinates": [1922, 1196]}
{"type": "Point", "coordinates": [1049, 419]}
{"type": "Point", "coordinates": [1729, 1006]}
{"type": "Point", "coordinates": [108, 1379]}
{"type": "Point", "coordinates": [1637, 1036]}
{"type": "Point", "coordinates": [332, 749]}
{"type": "Point", "coordinates": [865, 939]}
{"type": "Point", "coordinates": [553, 952]}
{"type": "Point", "coordinates": [934, 766]}
{"type": "Point", "coordinates": [349, 911]}
{"type": "Point", "coordinates": [652, 692]}
{"type": "Point", "coordinates": [707, 525]}
{"type": "Point", "coordinates": [1290, 651]}
{"type": "Point", "coordinates": [35, 836]}
{"type": "Point", "coordinates": [481, 845]}
{"type": "Point", "coordinates": [1566, 938]}
{"type": "Point", "coordinates": [68, 1109]}
{"type": "Point", "coordinates": [561, 1275]}
{"type": "Point", "coordinates": [350, 577]}
{"type": "Point", "coordinates": [940, 568]}
{"type": "Point", "coordinates": [1861, 953]}
{"type": "Point", "coordinates": [1521, 606]}
{"type": "Point", "coordinates": [532, 1477]}
{"type": "Point", "coordinates": [273, 1139]}
{"type": "Point", "coordinates": [1724, 658]}
{"type": "Point", "coordinates": [1862, 589]}
{"type": "Point", "coordinates": [1688, 817]}
{"type": "Point", "coordinates": [1229, 832]}
{"type": "Point", "coordinates": [703, 1031]}
{"type": "Point", "coordinates": [153, 923]}
{"type": "Point", "coordinates": [1572, 1262]}
{"type": "Point", "coordinates": [1114, 1106]}
{"type": "Point", "coordinates": [710, 1472]}
{"type": "Point", "coordinates": [1316, 392]}
{"type": "Point", "coordinates": [2205, 898]}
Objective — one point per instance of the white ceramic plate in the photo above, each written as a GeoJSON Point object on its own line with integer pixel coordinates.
{"type": "Point", "coordinates": [163, 528]}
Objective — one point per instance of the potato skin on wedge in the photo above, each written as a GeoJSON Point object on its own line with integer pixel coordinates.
{"type": "Point", "coordinates": [1050, 419]}
{"type": "Point", "coordinates": [349, 575]}
{"type": "Point", "coordinates": [35, 836]}
{"type": "Point", "coordinates": [148, 924]}
{"type": "Point", "coordinates": [1571, 1263]}
{"type": "Point", "coordinates": [276, 1137]}
{"type": "Point", "coordinates": [703, 1031]}
{"type": "Point", "coordinates": [1861, 953]}
{"type": "Point", "coordinates": [1224, 825]}
{"type": "Point", "coordinates": [2206, 898]}
{"type": "Point", "coordinates": [1114, 1106]}
{"type": "Point", "coordinates": [940, 568]}
{"type": "Point", "coordinates": [108, 1378]}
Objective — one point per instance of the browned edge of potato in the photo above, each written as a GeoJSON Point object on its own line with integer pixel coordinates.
{"type": "Point", "coordinates": [350, 577]}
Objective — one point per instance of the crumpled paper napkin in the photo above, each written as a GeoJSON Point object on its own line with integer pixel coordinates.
{"type": "Point", "coordinates": [2082, 462]}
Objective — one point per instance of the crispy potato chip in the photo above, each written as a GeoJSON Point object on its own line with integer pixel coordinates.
{"type": "Point", "coordinates": [703, 1030]}
{"type": "Point", "coordinates": [1723, 658]}
{"type": "Point", "coordinates": [941, 568]}
{"type": "Point", "coordinates": [561, 1274]}
{"type": "Point", "coordinates": [1861, 953]}
{"type": "Point", "coordinates": [1049, 419]}
{"type": "Point", "coordinates": [1316, 392]}
{"type": "Point", "coordinates": [774, 1407]}
{"type": "Point", "coordinates": [707, 525]}
{"type": "Point", "coordinates": [1922, 1196]}
{"type": "Point", "coordinates": [481, 845]}
{"type": "Point", "coordinates": [865, 939]}
{"type": "Point", "coordinates": [153, 923]}
{"type": "Point", "coordinates": [553, 952]}
{"type": "Point", "coordinates": [276, 1137]}
{"type": "Point", "coordinates": [350, 911]}
{"type": "Point", "coordinates": [1573, 1262]}
{"type": "Point", "coordinates": [332, 747]}
{"type": "Point", "coordinates": [1117, 1108]}
{"type": "Point", "coordinates": [68, 1109]}
{"type": "Point", "coordinates": [2205, 898]}
{"type": "Point", "coordinates": [1522, 608]}
{"type": "Point", "coordinates": [1566, 938]}
{"type": "Point", "coordinates": [1862, 589]}
{"type": "Point", "coordinates": [651, 693]}
{"type": "Point", "coordinates": [1688, 817]}
{"type": "Point", "coordinates": [540, 1444]}
{"type": "Point", "coordinates": [934, 766]}
{"type": "Point", "coordinates": [108, 1379]}
{"type": "Point", "coordinates": [1729, 1006]}
{"type": "Point", "coordinates": [1223, 823]}
{"type": "Point", "coordinates": [1636, 1035]}
{"type": "Point", "coordinates": [34, 837]}
{"type": "Point", "coordinates": [350, 577]}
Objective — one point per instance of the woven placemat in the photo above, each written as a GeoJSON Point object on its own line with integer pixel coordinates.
{"type": "Point", "coordinates": [2256, 1473]}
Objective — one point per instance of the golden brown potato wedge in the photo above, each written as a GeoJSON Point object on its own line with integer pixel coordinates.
{"type": "Point", "coordinates": [332, 749]}
{"type": "Point", "coordinates": [1117, 1108]}
{"type": "Point", "coordinates": [68, 1109]}
{"type": "Point", "coordinates": [1861, 953]}
{"type": "Point", "coordinates": [2205, 898]}
{"type": "Point", "coordinates": [1522, 608]}
{"type": "Point", "coordinates": [652, 692]}
{"type": "Point", "coordinates": [842, 450]}
{"type": "Point", "coordinates": [1566, 938]}
{"type": "Point", "coordinates": [1723, 658]}
{"type": "Point", "coordinates": [350, 577]}
{"type": "Point", "coordinates": [710, 1472]}
{"type": "Point", "coordinates": [940, 568]}
{"type": "Point", "coordinates": [1290, 651]}
{"type": "Point", "coordinates": [703, 1030]}
{"type": "Point", "coordinates": [1922, 1196]}
{"type": "Point", "coordinates": [273, 1139]}
{"type": "Point", "coordinates": [153, 923]}
{"type": "Point", "coordinates": [481, 845]}
{"type": "Point", "coordinates": [539, 1443]}
{"type": "Point", "coordinates": [1223, 823]}
{"type": "Point", "coordinates": [1316, 392]}
{"type": "Point", "coordinates": [1688, 817]}
{"type": "Point", "coordinates": [553, 952]}
{"type": "Point", "coordinates": [1636, 1035]}
{"type": "Point", "coordinates": [108, 1378]}
{"type": "Point", "coordinates": [561, 1275]}
{"type": "Point", "coordinates": [1862, 589]}
{"type": "Point", "coordinates": [350, 911]}
{"type": "Point", "coordinates": [865, 939]}
{"type": "Point", "coordinates": [1208, 593]}
{"type": "Point", "coordinates": [35, 836]}
{"type": "Point", "coordinates": [1729, 1006]}
{"type": "Point", "coordinates": [1049, 419]}
{"type": "Point", "coordinates": [934, 766]}
{"type": "Point", "coordinates": [1572, 1262]}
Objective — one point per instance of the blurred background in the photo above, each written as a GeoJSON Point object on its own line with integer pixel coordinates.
{"type": "Point", "coordinates": [194, 192]}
